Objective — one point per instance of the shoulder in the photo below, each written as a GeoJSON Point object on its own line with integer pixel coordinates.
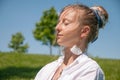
{"type": "Point", "coordinates": [84, 60]}
{"type": "Point", "coordinates": [51, 64]}
{"type": "Point", "coordinates": [91, 67]}
{"type": "Point", "coordinates": [47, 69]}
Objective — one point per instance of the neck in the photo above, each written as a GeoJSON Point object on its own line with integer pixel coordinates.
{"type": "Point", "coordinates": [69, 56]}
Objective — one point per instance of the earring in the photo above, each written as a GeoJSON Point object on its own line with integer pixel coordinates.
{"type": "Point", "coordinates": [76, 50]}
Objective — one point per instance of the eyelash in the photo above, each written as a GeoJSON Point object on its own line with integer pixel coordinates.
{"type": "Point", "coordinates": [66, 23]}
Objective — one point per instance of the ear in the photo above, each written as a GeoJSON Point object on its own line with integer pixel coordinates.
{"type": "Point", "coordinates": [85, 31]}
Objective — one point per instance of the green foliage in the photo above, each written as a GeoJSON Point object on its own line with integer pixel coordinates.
{"type": "Point", "coordinates": [45, 28]}
{"type": "Point", "coordinates": [26, 66]}
{"type": "Point", "coordinates": [16, 43]}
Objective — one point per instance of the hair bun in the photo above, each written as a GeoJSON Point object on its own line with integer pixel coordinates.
{"type": "Point", "coordinates": [101, 15]}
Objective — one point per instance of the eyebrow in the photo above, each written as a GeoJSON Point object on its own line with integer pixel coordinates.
{"type": "Point", "coordinates": [65, 19]}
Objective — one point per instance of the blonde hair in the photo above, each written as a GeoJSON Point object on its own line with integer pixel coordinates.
{"type": "Point", "coordinates": [90, 17]}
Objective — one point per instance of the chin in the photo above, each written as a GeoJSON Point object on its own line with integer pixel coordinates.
{"type": "Point", "coordinates": [63, 43]}
{"type": "Point", "coordinates": [60, 43]}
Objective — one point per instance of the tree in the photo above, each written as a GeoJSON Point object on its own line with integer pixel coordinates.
{"type": "Point", "coordinates": [45, 28]}
{"type": "Point", "coordinates": [16, 43]}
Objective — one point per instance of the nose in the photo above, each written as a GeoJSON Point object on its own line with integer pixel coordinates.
{"type": "Point", "coordinates": [58, 27]}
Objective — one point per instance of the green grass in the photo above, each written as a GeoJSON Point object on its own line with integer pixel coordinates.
{"type": "Point", "coordinates": [22, 66]}
{"type": "Point", "coordinates": [25, 66]}
{"type": "Point", "coordinates": [110, 67]}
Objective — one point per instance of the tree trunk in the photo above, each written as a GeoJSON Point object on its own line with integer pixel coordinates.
{"type": "Point", "coordinates": [59, 51]}
{"type": "Point", "coordinates": [50, 49]}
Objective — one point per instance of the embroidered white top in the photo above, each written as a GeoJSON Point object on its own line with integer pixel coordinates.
{"type": "Point", "coordinates": [83, 68]}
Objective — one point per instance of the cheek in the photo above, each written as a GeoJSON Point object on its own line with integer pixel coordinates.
{"type": "Point", "coordinates": [72, 32]}
{"type": "Point", "coordinates": [71, 35]}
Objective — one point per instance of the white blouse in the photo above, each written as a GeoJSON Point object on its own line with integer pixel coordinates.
{"type": "Point", "coordinates": [83, 68]}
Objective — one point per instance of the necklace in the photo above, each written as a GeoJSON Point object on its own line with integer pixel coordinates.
{"type": "Point", "coordinates": [61, 71]}
{"type": "Point", "coordinates": [57, 74]}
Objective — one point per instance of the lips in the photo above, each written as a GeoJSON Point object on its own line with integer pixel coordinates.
{"type": "Point", "coordinates": [59, 35]}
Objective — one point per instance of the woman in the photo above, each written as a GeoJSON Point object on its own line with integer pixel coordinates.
{"type": "Point", "coordinates": [78, 26]}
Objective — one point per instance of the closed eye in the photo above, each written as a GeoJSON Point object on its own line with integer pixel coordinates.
{"type": "Point", "coordinates": [66, 22]}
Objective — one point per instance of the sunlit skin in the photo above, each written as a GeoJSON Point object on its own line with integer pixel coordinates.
{"type": "Point", "coordinates": [69, 33]}
{"type": "Point", "coordinates": [68, 30]}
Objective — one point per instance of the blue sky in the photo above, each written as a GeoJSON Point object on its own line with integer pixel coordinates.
{"type": "Point", "coordinates": [21, 16]}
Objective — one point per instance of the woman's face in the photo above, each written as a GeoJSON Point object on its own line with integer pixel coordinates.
{"type": "Point", "coordinates": [68, 29]}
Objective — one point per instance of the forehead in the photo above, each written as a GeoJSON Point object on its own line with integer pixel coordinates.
{"type": "Point", "coordinates": [70, 14]}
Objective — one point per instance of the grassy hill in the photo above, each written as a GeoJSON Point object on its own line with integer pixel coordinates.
{"type": "Point", "coordinates": [25, 66]}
